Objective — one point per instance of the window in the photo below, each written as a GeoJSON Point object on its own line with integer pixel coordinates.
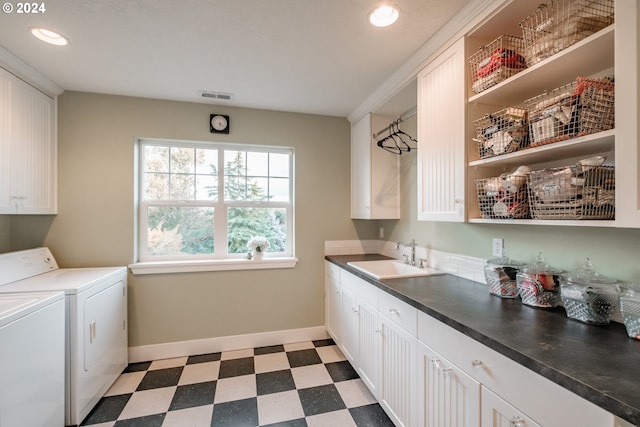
{"type": "Point", "coordinates": [204, 201]}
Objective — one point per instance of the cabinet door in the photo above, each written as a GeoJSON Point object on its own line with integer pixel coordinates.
{"type": "Point", "coordinates": [398, 379]}
{"type": "Point", "coordinates": [31, 147]}
{"type": "Point", "coordinates": [368, 346]}
{"type": "Point", "coordinates": [349, 317]}
{"type": "Point", "coordinates": [498, 413]}
{"type": "Point", "coordinates": [446, 395]}
{"type": "Point", "coordinates": [5, 143]}
{"type": "Point", "coordinates": [441, 137]}
{"type": "Point", "coordinates": [332, 307]}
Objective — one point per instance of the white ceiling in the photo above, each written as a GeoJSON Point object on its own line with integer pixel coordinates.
{"type": "Point", "coordinates": [310, 56]}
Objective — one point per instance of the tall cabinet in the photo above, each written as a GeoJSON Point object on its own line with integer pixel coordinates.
{"type": "Point", "coordinates": [441, 137]}
{"type": "Point", "coordinates": [28, 148]}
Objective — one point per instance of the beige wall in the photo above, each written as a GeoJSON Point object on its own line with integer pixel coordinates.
{"type": "Point", "coordinates": [615, 252]}
{"type": "Point", "coordinates": [95, 224]}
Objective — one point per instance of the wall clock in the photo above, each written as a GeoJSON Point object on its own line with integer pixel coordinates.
{"type": "Point", "coordinates": [219, 123]}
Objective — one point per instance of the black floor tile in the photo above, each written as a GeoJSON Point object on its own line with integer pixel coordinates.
{"type": "Point", "coordinates": [370, 416]}
{"type": "Point", "coordinates": [160, 378]}
{"type": "Point", "coordinates": [324, 343]}
{"type": "Point", "coordinates": [202, 358]}
{"type": "Point", "coordinates": [293, 423]}
{"type": "Point", "coordinates": [154, 420]}
{"type": "Point", "coordinates": [236, 367]}
{"type": "Point", "coordinates": [274, 382]}
{"type": "Point", "coordinates": [303, 358]}
{"type": "Point", "coordinates": [190, 395]}
{"type": "Point", "coordinates": [107, 409]}
{"type": "Point", "coordinates": [268, 350]}
{"type": "Point", "coordinates": [239, 413]}
{"type": "Point", "coordinates": [321, 399]}
{"type": "Point", "coordinates": [341, 371]}
{"type": "Point", "coordinates": [137, 367]}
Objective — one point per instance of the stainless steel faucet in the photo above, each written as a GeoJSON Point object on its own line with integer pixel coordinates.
{"type": "Point", "coordinates": [412, 245]}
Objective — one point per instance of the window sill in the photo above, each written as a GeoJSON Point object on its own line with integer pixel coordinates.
{"type": "Point", "coordinates": [161, 267]}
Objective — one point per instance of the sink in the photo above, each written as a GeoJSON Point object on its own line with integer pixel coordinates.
{"type": "Point", "coordinates": [392, 269]}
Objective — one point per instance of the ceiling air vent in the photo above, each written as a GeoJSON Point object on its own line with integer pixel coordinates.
{"type": "Point", "coordinates": [220, 96]}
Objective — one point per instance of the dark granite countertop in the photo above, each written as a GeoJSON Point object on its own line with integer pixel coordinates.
{"type": "Point", "coordinates": [599, 363]}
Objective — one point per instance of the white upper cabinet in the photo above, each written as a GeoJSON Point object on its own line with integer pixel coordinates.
{"type": "Point", "coordinates": [441, 137]}
{"type": "Point", "coordinates": [375, 181]}
{"type": "Point", "coordinates": [28, 148]}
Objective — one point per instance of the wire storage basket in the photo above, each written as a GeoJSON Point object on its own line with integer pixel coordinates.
{"type": "Point", "coordinates": [559, 24]}
{"type": "Point", "coordinates": [503, 197]}
{"type": "Point", "coordinates": [583, 107]}
{"type": "Point", "coordinates": [573, 192]}
{"type": "Point", "coordinates": [497, 61]}
{"type": "Point", "coordinates": [502, 132]}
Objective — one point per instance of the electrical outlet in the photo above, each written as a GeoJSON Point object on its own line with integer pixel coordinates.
{"type": "Point", "coordinates": [498, 247]}
{"type": "Point", "coordinates": [381, 232]}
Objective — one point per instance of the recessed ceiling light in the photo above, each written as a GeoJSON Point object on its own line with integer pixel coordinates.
{"type": "Point", "coordinates": [49, 36]}
{"type": "Point", "coordinates": [385, 15]}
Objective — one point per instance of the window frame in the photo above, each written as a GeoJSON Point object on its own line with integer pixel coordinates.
{"type": "Point", "coordinates": [220, 258]}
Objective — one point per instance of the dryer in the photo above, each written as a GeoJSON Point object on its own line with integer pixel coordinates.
{"type": "Point", "coordinates": [32, 359]}
{"type": "Point", "coordinates": [96, 345]}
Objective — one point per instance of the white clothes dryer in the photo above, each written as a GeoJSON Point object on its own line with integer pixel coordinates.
{"type": "Point", "coordinates": [96, 344]}
{"type": "Point", "coordinates": [32, 359]}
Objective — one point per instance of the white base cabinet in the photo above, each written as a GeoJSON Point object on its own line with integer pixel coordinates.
{"type": "Point", "coordinates": [427, 374]}
{"type": "Point", "coordinates": [511, 395]}
{"type": "Point", "coordinates": [448, 396]}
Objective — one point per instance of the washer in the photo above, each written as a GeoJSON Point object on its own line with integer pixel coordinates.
{"type": "Point", "coordinates": [96, 346]}
{"type": "Point", "coordinates": [32, 359]}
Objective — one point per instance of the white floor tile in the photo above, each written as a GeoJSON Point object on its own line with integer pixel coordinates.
{"type": "Point", "coordinates": [355, 393]}
{"type": "Point", "coordinates": [200, 373]}
{"type": "Point", "coordinates": [271, 362]}
{"type": "Point", "coordinates": [278, 407]}
{"type": "Point", "coordinates": [330, 353]}
{"type": "Point", "coordinates": [310, 376]}
{"type": "Point", "coordinates": [126, 383]}
{"type": "Point", "coordinates": [332, 419]}
{"type": "Point", "coordinates": [236, 354]}
{"type": "Point", "coordinates": [148, 402]}
{"type": "Point", "coordinates": [304, 345]}
{"type": "Point", "coordinates": [190, 417]}
{"type": "Point", "coordinates": [168, 363]}
{"type": "Point", "coordinates": [235, 388]}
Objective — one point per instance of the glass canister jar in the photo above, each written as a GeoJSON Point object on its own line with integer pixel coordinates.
{"type": "Point", "coordinates": [630, 309]}
{"type": "Point", "coordinates": [500, 274]}
{"type": "Point", "coordinates": [538, 284]}
{"type": "Point", "coordinates": [588, 296]}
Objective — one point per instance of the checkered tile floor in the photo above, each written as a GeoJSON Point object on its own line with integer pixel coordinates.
{"type": "Point", "coordinates": [301, 384]}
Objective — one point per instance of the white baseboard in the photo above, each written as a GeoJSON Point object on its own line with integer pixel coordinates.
{"type": "Point", "coordinates": [170, 350]}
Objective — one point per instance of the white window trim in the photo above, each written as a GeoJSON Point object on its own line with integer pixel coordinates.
{"type": "Point", "coordinates": [214, 262]}
{"type": "Point", "coordinates": [159, 267]}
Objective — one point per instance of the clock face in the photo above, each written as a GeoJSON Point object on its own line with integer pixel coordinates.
{"type": "Point", "coordinates": [219, 123]}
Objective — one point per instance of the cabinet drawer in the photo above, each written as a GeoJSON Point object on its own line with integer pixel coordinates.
{"type": "Point", "coordinates": [398, 312]}
{"type": "Point", "coordinates": [363, 290]}
{"type": "Point", "coordinates": [521, 387]}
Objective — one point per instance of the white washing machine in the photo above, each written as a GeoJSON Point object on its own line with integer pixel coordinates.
{"type": "Point", "coordinates": [32, 359]}
{"type": "Point", "coordinates": [96, 346]}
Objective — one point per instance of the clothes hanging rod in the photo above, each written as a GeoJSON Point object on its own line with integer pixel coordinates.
{"type": "Point", "coordinates": [404, 116]}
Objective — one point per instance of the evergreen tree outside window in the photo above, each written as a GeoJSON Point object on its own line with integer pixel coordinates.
{"type": "Point", "coordinates": [206, 200]}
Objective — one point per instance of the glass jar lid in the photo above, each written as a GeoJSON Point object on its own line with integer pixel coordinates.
{"type": "Point", "coordinates": [586, 276]}
{"type": "Point", "coordinates": [541, 267]}
{"type": "Point", "coordinates": [505, 261]}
